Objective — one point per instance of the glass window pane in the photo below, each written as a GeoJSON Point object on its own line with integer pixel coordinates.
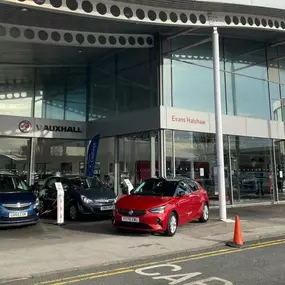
{"type": "Point", "coordinates": [76, 94]}
{"type": "Point", "coordinates": [59, 156]}
{"type": "Point", "coordinates": [195, 157]}
{"type": "Point", "coordinates": [192, 75]}
{"type": "Point", "coordinates": [247, 97]}
{"type": "Point", "coordinates": [50, 93]}
{"type": "Point", "coordinates": [281, 63]}
{"type": "Point", "coordinates": [14, 156]}
{"type": "Point", "coordinates": [247, 87]}
{"type": "Point", "coordinates": [251, 167]}
{"type": "Point", "coordinates": [16, 91]}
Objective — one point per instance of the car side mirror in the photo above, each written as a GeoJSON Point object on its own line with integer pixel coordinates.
{"type": "Point", "coordinates": [180, 193]}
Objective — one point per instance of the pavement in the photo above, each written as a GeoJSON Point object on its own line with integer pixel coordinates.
{"type": "Point", "coordinates": [38, 250]}
{"type": "Point", "coordinates": [257, 263]}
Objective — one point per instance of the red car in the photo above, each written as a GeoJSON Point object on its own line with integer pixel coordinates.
{"type": "Point", "coordinates": [160, 205]}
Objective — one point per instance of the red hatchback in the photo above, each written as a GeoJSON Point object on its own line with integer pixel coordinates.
{"type": "Point", "coordinates": [160, 205]}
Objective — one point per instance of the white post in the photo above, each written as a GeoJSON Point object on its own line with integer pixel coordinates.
{"type": "Point", "coordinates": [60, 203]}
{"type": "Point", "coordinates": [152, 155]}
{"type": "Point", "coordinates": [219, 129]}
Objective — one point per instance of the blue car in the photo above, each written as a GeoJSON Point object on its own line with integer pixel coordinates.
{"type": "Point", "coordinates": [18, 204]}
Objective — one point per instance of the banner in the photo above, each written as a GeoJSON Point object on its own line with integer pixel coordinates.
{"type": "Point", "coordinates": [91, 156]}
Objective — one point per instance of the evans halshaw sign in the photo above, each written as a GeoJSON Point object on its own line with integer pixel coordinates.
{"type": "Point", "coordinates": [25, 126]}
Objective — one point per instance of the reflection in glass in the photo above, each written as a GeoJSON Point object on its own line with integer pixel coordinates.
{"type": "Point", "coordinates": [124, 82]}
{"type": "Point", "coordinates": [104, 168]}
{"type": "Point", "coordinates": [135, 157]}
{"type": "Point", "coordinates": [53, 156]}
{"type": "Point", "coordinates": [192, 75]}
{"type": "Point", "coordinates": [61, 93]}
{"type": "Point", "coordinates": [16, 91]}
{"type": "Point", "coordinates": [246, 79]}
{"type": "Point", "coordinates": [251, 162]}
{"type": "Point", "coordinates": [195, 157]}
{"type": "Point", "coordinates": [14, 156]}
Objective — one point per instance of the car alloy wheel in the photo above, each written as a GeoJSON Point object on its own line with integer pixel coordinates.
{"type": "Point", "coordinates": [73, 212]}
{"type": "Point", "coordinates": [205, 214]}
{"type": "Point", "coordinates": [171, 225]}
{"type": "Point", "coordinates": [41, 207]}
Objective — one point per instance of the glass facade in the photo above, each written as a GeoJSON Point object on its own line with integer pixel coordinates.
{"type": "Point", "coordinates": [251, 72]}
{"type": "Point", "coordinates": [252, 85]}
{"type": "Point", "coordinates": [15, 155]}
{"type": "Point", "coordinates": [248, 164]}
{"type": "Point", "coordinates": [124, 82]}
{"type": "Point", "coordinates": [52, 156]}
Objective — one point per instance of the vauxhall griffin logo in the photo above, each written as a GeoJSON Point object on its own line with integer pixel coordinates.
{"type": "Point", "coordinates": [25, 126]}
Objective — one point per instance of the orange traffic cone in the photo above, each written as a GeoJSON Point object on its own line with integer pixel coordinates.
{"type": "Point", "coordinates": [237, 240]}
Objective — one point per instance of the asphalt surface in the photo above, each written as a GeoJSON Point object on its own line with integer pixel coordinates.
{"type": "Point", "coordinates": [256, 263]}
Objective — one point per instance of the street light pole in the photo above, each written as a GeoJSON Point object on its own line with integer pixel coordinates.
{"type": "Point", "coordinates": [219, 128]}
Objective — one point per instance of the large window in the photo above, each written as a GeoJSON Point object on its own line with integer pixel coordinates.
{"type": "Point", "coordinates": [135, 157]}
{"type": "Point", "coordinates": [14, 156]}
{"type": "Point", "coordinates": [61, 93]}
{"type": "Point", "coordinates": [192, 74]}
{"type": "Point", "coordinates": [246, 79]}
{"type": "Point", "coordinates": [16, 91]}
{"type": "Point", "coordinates": [251, 161]}
{"type": "Point", "coordinates": [194, 156]}
{"type": "Point", "coordinates": [125, 82]}
{"type": "Point", "coordinates": [54, 156]}
{"type": "Point", "coordinates": [252, 76]}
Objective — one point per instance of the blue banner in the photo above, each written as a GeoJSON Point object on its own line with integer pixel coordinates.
{"type": "Point", "coordinates": [91, 156]}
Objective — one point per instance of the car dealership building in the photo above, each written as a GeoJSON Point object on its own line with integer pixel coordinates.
{"type": "Point", "coordinates": [140, 74]}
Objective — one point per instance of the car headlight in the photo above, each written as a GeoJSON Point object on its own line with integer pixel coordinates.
{"type": "Point", "coordinates": [86, 200]}
{"type": "Point", "coordinates": [37, 203]}
{"type": "Point", "coordinates": [158, 210]}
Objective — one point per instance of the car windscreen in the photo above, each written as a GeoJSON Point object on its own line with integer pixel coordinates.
{"type": "Point", "coordinates": [156, 188]}
{"type": "Point", "coordinates": [10, 184]}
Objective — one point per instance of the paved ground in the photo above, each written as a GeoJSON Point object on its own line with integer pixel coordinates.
{"type": "Point", "coordinates": [257, 263]}
{"type": "Point", "coordinates": [26, 252]}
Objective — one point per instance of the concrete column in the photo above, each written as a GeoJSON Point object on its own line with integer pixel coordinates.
{"type": "Point", "coordinates": [219, 129]}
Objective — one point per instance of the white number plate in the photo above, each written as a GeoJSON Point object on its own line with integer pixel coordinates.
{"type": "Point", "coordinates": [18, 215]}
{"type": "Point", "coordinates": [106, 208]}
{"type": "Point", "coordinates": [130, 219]}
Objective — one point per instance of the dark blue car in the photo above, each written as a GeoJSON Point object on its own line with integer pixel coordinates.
{"type": "Point", "coordinates": [18, 204]}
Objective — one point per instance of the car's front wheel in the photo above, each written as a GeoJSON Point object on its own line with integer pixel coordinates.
{"type": "Point", "coordinates": [73, 212]}
{"type": "Point", "coordinates": [171, 225]}
{"type": "Point", "coordinates": [41, 207]}
{"type": "Point", "coordinates": [205, 214]}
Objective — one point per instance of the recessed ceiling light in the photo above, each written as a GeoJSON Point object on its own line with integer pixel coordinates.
{"type": "Point", "coordinates": [80, 51]}
{"type": "Point", "coordinates": [24, 10]}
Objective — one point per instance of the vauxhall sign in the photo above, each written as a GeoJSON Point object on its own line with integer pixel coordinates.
{"type": "Point", "coordinates": [55, 128]}
{"type": "Point", "coordinates": [25, 126]}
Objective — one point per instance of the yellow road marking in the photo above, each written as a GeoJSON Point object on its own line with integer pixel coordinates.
{"type": "Point", "coordinates": [123, 270]}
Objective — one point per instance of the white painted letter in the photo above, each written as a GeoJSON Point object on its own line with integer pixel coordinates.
{"type": "Point", "coordinates": [141, 270]}
{"type": "Point", "coordinates": [174, 280]}
{"type": "Point", "coordinates": [207, 281]}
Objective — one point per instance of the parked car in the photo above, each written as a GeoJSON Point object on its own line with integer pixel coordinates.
{"type": "Point", "coordinates": [160, 205]}
{"type": "Point", "coordinates": [83, 196]}
{"type": "Point", "coordinates": [18, 204]}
